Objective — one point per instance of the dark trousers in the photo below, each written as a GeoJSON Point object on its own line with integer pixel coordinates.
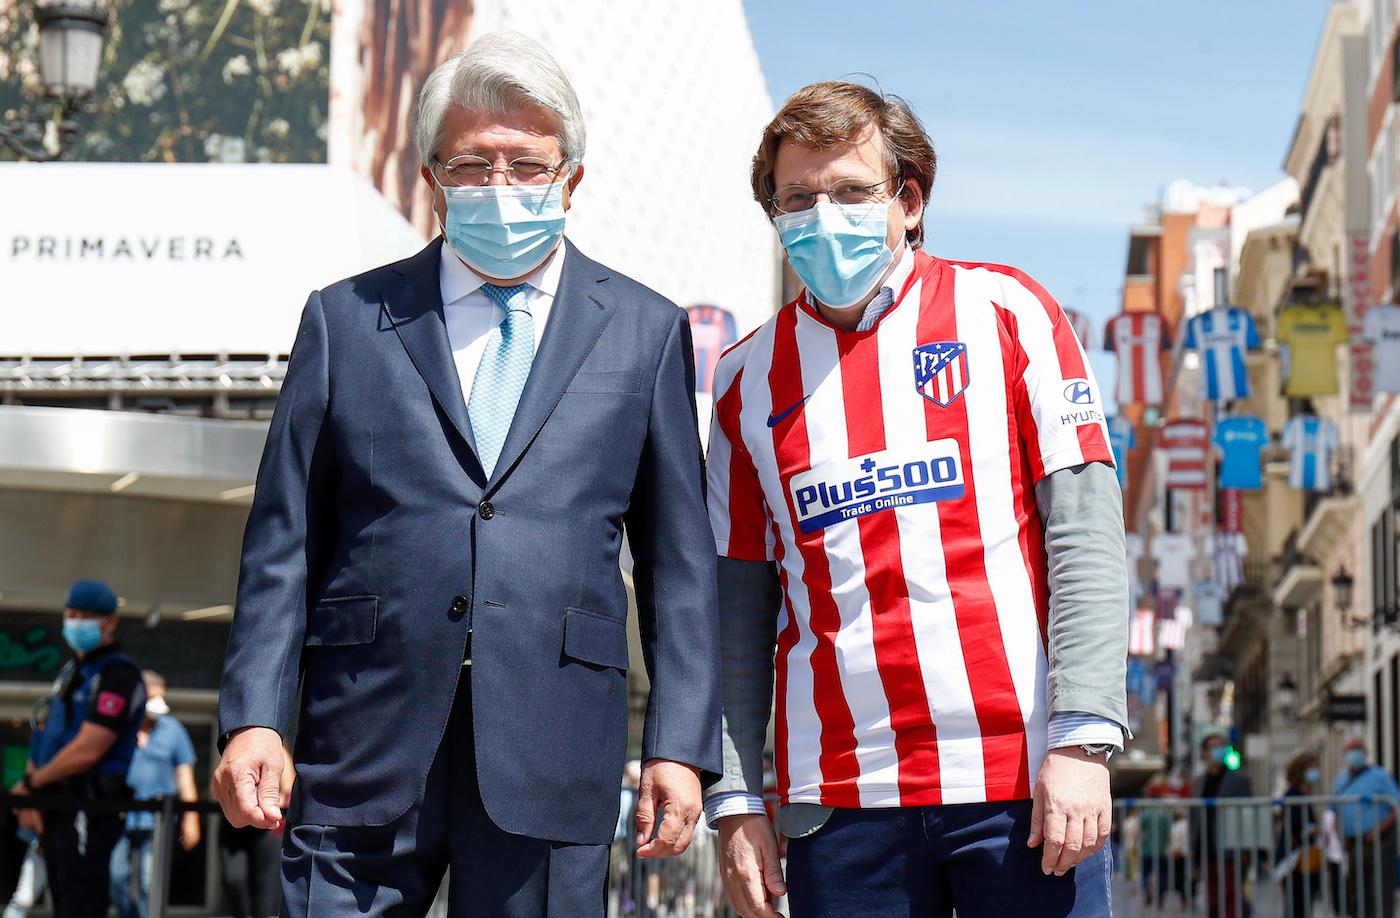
{"type": "Point", "coordinates": [930, 861]}
{"type": "Point", "coordinates": [251, 863]}
{"type": "Point", "coordinates": [397, 869]}
{"type": "Point", "coordinates": [78, 854]}
{"type": "Point", "coordinates": [1374, 872]}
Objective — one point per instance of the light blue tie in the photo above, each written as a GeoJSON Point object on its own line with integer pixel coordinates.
{"type": "Point", "coordinates": [501, 375]}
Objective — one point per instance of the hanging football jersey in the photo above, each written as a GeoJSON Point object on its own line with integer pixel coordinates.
{"type": "Point", "coordinates": [1241, 439]}
{"type": "Point", "coordinates": [1138, 339]}
{"type": "Point", "coordinates": [1312, 333]}
{"type": "Point", "coordinates": [1121, 438]}
{"type": "Point", "coordinates": [1083, 328]}
{"type": "Point", "coordinates": [1173, 552]}
{"type": "Point", "coordinates": [1310, 441]}
{"type": "Point", "coordinates": [712, 329]}
{"type": "Point", "coordinates": [1209, 599]}
{"type": "Point", "coordinates": [1185, 441]}
{"type": "Point", "coordinates": [1228, 561]}
{"type": "Point", "coordinates": [1142, 633]}
{"type": "Point", "coordinates": [1382, 329]}
{"type": "Point", "coordinates": [1221, 336]}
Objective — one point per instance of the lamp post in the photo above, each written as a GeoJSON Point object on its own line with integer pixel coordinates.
{"type": "Point", "coordinates": [72, 34]}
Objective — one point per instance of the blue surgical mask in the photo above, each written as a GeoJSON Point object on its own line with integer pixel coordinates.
{"type": "Point", "coordinates": [504, 231]}
{"type": "Point", "coordinates": [1218, 753]}
{"type": "Point", "coordinates": [838, 250]}
{"type": "Point", "coordinates": [82, 634]}
{"type": "Point", "coordinates": [1356, 759]}
{"type": "Point", "coordinates": [1314, 775]}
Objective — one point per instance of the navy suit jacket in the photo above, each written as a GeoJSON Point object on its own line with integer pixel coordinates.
{"type": "Point", "coordinates": [375, 541]}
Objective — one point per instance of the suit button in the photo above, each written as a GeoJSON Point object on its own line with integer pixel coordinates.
{"type": "Point", "coordinates": [459, 605]}
{"type": "Point", "coordinates": [486, 510]}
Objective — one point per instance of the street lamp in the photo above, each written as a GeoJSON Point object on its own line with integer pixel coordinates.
{"type": "Point", "coordinates": [1341, 589]}
{"type": "Point", "coordinates": [72, 34]}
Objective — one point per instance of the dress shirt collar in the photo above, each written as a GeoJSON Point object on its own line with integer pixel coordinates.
{"type": "Point", "coordinates": [457, 280]}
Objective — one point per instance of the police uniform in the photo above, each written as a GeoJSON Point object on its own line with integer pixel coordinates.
{"type": "Point", "coordinates": [104, 687]}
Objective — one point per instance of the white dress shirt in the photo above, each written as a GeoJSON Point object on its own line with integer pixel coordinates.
{"type": "Point", "coordinates": [471, 314]}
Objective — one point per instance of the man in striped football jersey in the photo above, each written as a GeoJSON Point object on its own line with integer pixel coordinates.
{"type": "Point", "coordinates": [919, 524]}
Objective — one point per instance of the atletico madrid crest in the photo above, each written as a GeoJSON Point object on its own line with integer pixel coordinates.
{"type": "Point", "coordinates": [940, 371]}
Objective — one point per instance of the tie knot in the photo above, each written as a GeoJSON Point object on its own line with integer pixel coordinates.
{"type": "Point", "coordinates": [508, 298]}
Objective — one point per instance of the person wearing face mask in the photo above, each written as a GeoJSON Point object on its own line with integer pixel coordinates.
{"type": "Point", "coordinates": [1223, 865]}
{"type": "Point", "coordinates": [921, 540]}
{"type": "Point", "coordinates": [1300, 843]}
{"type": "Point", "coordinates": [84, 740]}
{"type": "Point", "coordinates": [431, 563]}
{"type": "Point", "coordinates": [1368, 832]}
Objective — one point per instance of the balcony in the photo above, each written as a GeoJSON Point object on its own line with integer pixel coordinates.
{"type": "Point", "coordinates": [1328, 515]}
{"type": "Point", "coordinates": [1301, 580]}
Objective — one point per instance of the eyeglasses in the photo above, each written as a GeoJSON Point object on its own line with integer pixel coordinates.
{"type": "Point", "coordinates": [796, 198]}
{"type": "Point", "coordinates": [472, 171]}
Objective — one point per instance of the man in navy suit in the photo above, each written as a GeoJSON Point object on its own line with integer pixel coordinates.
{"type": "Point", "coordinates": [431, 559]}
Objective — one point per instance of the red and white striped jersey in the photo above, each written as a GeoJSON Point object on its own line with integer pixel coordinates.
{"type": "Point", "coordinates": [1185, 441]}
{"type": "Point", "coordinates": [1083, 327]}
{"type": "Point", "coordinates": [1138, 339]}
{"type": "Point", "coordinates": [891, 475]}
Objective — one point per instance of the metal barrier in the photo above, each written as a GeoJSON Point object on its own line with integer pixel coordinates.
{"type": "Point", "coordinates": [687, 886]}
{"type": "Point", "coordinates": [1291, 857]}
{"type": "Point", "coordinates": [163, 836]}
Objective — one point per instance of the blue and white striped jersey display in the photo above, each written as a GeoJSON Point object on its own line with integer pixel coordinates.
{"type": "Point", "coordinates": [1310, 441]}
{"type": "Point", "coordinates": [1222, 335]}
{"type": "Point", "coordinates": [1121, 438]}
{"type": "Point", "coordinates": [1241, 439]}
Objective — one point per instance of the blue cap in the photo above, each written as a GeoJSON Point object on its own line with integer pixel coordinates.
{"type": "Point", "coordinates": [92, 596]}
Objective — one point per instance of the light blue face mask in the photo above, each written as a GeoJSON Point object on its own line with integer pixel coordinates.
{"type": "Point", "coordinates": [82, 634]}
{"type": "Point", "coordinates": [1314, 775]}
{"type": "Point", "coordinates": [838, 250]}
{"type": "Point", "coordinates": [1356, 759]}
{"type": "Point", "coordinates": [504, 231]}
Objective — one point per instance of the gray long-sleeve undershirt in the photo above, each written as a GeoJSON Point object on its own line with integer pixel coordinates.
{"type": "Point", "coordinates": [1081, 510]}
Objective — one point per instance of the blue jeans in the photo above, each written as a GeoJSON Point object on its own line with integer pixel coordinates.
{"type": "Point", "coordinates": [929, 861]}
{"type": "Point", "coordinates": [137, 841]}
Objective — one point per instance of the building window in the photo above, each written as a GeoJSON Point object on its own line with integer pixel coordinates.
{"type": "Point", "coordinates": [1395, 707]}
{"type": "Point", "coordinates": [1378, 681]}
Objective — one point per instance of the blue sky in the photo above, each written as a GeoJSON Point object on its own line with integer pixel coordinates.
{"type": "Point", "coordinates": [1056, 123]}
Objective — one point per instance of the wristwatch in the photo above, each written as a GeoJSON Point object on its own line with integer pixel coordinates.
{"type": "Point", "coordinates": [1103, 749]}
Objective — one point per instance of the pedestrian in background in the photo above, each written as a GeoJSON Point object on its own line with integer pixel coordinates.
{"type": "Point", "coordinates": [1299, 854]}
{"type": "Point", "coordinates": [162, 766]}
{"type": "Point", "coordinates": [84, 749]}
{"type": "Point", "coordinates": [1224, 864]}
{"type": "Point", "coordinates": [1368, 833]}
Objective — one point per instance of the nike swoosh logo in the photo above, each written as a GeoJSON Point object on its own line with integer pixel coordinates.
{"type": "Point", "coordinates": [775, 419]}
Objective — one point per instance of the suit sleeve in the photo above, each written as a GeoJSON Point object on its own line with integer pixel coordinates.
{"type": "Point", "coordinates": [674, 573]}
{"type": "Point", "coordinates": [285, 541]}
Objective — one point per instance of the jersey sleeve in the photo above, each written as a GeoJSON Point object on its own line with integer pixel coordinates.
{"type": "Point", "coordinates": [1251, 332]}
{"type": "Point", "coordinates": [113, 696]}
{"type": "Point", "coordinates": [1059, 408]}
{"type": "Point", "coordinates": [738, 512]}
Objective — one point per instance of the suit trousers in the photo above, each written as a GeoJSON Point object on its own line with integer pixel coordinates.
{"type": "Point", "coordinates": [968, 858]}
{"type": "Point", "coordinates": [397, 869]}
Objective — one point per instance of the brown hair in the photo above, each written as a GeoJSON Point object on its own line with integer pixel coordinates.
{"type": "Point", "coordinates": [836, 112]}
{"type": "Point", "coordinates": [1297, 768]}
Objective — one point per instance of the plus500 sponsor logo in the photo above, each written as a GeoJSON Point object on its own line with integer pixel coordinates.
{"type": "Point", "coordinates": [851, 488]}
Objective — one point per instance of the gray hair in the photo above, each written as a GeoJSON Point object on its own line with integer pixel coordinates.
{"type": "Point", "coordinates": [497, 72]}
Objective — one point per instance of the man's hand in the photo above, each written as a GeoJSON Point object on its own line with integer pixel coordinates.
{"type": "Point", "coordinates": [669, 801]}
{"type": "Point", "coordinates": [32, 820]}
{"type": "Point", "coordinates": [190, 830]}
{"type": "Point", "coordinates": [749, 864]}
{"type": "Point", "coordinates": [248, 781]}
{"type": "Point", "coordinates": [1071, 812]}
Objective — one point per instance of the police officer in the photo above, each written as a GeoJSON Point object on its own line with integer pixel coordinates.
{"type": "Point", "coordinates": [83, 748]}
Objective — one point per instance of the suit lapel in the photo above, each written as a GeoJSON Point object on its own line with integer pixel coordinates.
{"type": "Point", "coordinates": [414, 310]}
{"type": "Point", "coordinates": [577, 318]}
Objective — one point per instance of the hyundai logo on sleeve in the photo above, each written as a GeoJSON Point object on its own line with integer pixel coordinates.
{"type": "Point", "coordinates": [1079, 392]}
